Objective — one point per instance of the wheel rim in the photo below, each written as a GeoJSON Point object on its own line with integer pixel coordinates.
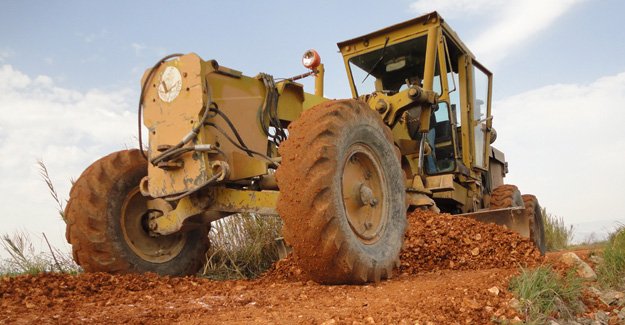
{"type": "Point", "coordinates": [134, 218]}
{"type": "Point", "coordinates": [364, 193]}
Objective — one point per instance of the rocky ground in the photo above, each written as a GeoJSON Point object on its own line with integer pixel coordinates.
{"type": "Point", "coordinates": [453, 271]}
{"type": "Point", "coordinates": [598, 305]}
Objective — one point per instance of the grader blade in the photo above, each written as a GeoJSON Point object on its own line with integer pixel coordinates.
{"type": "Point", "coordinates": [513, 218]}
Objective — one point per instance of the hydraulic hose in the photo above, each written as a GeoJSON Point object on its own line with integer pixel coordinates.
{"type": "Point", "coordinates": [144, 87]}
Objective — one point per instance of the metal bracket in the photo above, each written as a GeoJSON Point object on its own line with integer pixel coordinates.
{"type": "Point", "coordinates": [172, 221]}
{"type": "Point", "coordinates": [226, 200]}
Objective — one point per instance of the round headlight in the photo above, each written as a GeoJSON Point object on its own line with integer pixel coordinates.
{"type": "Point", "coordinates": [311, 59]}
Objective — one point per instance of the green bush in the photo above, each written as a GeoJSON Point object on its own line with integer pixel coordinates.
{"type": "Point", "coordinates": [557, 234]}
{"type": "Point", "coordinates": [242, 246]}
{"type": "Point", "coordinates": [611, 273]}
{"type": "Point", "coordinates": [543, 293]}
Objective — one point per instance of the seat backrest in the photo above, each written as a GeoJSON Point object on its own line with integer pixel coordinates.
{"type": "Point", "coordinates": [443, 131]}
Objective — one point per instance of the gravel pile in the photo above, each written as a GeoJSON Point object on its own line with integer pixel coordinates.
{"type": "Point", "coordinates": [442, 241]}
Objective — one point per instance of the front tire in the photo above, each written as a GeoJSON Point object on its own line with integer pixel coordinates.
{"type": "Point", "coordinates": [342, 193]}
{"type": "Point", "coordinates": [106, 223]}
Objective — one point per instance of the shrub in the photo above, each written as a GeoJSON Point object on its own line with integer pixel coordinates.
{"type": "Point", "coordinates": [557, 234]}
{"type": "Point", "coordinates": [242, 246]}
{"type": "Point", "coordinates": [24, 259]}
{"type": "Point", "coordinates": [611, 273]}
{"type": "Point", "coordinates": [542, 293]}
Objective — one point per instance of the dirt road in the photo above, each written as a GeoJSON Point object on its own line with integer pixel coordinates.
{"type": "Point", "coordinates": [452, 271]}
{"type": "Point", "coordinates": [442, 297]}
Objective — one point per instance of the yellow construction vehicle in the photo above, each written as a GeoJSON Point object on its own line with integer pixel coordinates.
{"type": "Point", "coordinates": [341, 174]}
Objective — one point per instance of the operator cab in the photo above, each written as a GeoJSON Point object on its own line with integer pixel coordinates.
{"type": "Point", "coordinates": [426, 53]}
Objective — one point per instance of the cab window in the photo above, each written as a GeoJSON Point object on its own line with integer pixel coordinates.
{"type": "Point", "coordinates": [480, 102]}
{"type": "Point", "coordinates": [389, 68]}
{"type": "Point", "coordinates": [441, 159]}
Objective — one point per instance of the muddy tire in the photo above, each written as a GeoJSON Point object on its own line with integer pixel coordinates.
{"type": "Point", "coordinates": [106, 223]}
{"type": "Point", "coordinates": [537, 227]}
{"type": "Point", "coordinates": [342, 193]}
{"type": "Point", "coordinates": [506, 196]}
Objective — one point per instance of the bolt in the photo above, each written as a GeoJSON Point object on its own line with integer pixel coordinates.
{"type": "Point", "coordinates": [381, 106]}
{"type": "Point", "coordinates": [414, 92]}
{"type": "Point", "coordinates": [365, 195]}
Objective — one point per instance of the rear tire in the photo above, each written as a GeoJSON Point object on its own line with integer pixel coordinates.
{"type": "Point", "coordinates": [107, 229]}
{"type": "Point", "coordinates": [342, 193]}
{"type": "Point", "coordinates": [506, 196]}
{"type": "Point", "coordinates": [537, 227]}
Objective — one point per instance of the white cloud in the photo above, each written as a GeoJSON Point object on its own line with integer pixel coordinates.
{"type": "Point", "coordinates": [565, 143]}
{"type": "Point", "coordinates": [516, 23]}
{"type": "Point", "coordinates": [138, 48]}
{"type": "Point", "coordinates": [93, 59]}
{"type": "Point", "coordinates": [92, 37]}
{"type": "Point", "coordinates": [455, 8]}
{"type": "Point", "coordinates": [66, 128]}
{"type": "Point", "coordinates": [5, 54]}
{"type": "Point", "coordinates": [142, 50]}
{"type": "Point", "coordinates": [506, 25]}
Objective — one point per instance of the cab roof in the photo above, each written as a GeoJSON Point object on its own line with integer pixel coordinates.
{"type": "Point", "coordinates": [429, 18]}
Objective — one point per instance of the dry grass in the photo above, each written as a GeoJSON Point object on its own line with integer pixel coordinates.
{"type": "Point", "coordinates": [558, 235]}
{"type": "Point", "coordinates": [242, 246]}
{"type": "Point", "coordinates": [611, 273]}
{"type": "Point", "coordinates": [25, 259]}
{"type": "Point", "coordinates": [43, 172]}
{"type": "Point", "coordinates": [543, 293]}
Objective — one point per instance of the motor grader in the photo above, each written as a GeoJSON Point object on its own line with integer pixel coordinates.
{"type": "Point", "coordinates": [341, 174]}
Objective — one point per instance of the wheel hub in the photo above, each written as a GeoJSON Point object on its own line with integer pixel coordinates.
{"type": "Point", "coordinates": [366, 196]}
{"type": "Point", "coordinates": [363, 193]}
{"type": "Point", "coordinates": [134, 223]}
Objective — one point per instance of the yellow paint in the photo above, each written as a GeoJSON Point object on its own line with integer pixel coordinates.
{"type": "Point", "coordinates": [239, 97]}
{"type": "Point", "coordinates": [231, 200]}
{"type": "Point", "coordinates": [172, 221]}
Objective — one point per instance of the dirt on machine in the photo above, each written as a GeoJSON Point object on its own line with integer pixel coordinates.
{"type": "Point", "coordinates": [417, 134]}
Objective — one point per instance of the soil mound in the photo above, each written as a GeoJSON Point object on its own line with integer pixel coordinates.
{"type": "Point", "coordinates": [443, 241]}
{"type": "Point", "coordinates": [286, 269]}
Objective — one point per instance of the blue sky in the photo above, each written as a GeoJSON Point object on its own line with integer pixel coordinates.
{"type": "Point", "coordinates": [69, 82]}
{"type": "Point", "coordinates": [72, 41]}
